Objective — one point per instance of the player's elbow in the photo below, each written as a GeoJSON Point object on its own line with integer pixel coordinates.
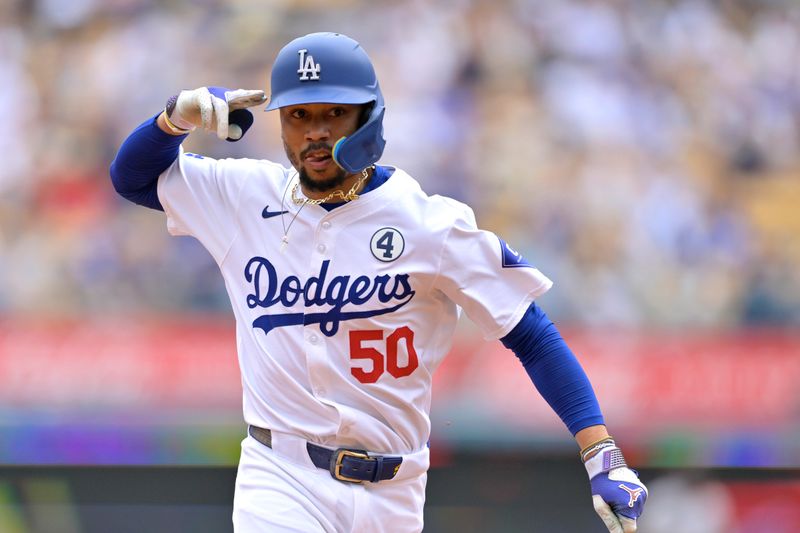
{"type": "Point", "coordinates": [140, 190]}
{"type": "Point", "coordinates": [116, 180]}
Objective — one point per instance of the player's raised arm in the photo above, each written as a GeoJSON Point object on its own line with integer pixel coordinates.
{"type": "Point", "coordinates": [617, 493]}
{"type": "Point", "coordinates": [153, 146]}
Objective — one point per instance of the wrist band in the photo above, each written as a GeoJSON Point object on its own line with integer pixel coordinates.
{"type": "Point", "coordinates": [596, 446]}
{"type": "Point", "coordinates": [595, 443]}
{"type": "Point", "coordinates": [173, 128]}
{"type": "Point", "coordinates": [606, 460]}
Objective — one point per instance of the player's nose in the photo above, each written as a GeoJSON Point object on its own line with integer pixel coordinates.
{"type": "Point", "coordinates": [318, 130]}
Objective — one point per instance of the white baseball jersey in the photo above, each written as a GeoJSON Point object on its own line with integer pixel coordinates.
{"type": "Point", "coordinates": [339, 334]}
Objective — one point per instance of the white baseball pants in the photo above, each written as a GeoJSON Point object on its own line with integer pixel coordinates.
{"type": "Point", "coordinates": [279, 489]}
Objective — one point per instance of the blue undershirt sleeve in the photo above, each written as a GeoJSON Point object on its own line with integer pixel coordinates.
{"type": "Point", "coordinates": [554, 370]}
{"type": "Point", "coordinates": [143, 156]}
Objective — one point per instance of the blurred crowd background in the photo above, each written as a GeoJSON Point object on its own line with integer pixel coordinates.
{"type": "Point", "coordinates": [643, 154]}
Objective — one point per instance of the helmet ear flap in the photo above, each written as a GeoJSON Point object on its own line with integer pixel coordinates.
{"type": "Point", "coordinates": [366, 113]}
{"type": "Point", "coordinates": [364, 146]}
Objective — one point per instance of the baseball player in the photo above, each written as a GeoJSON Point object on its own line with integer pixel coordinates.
{"type": "Point", "coordinates": [346, 280]}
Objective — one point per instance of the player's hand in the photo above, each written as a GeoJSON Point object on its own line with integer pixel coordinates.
{"type": "Point", "coordinates": [617, 493]}
{"type": "Point", "coordinates": [210, 107]}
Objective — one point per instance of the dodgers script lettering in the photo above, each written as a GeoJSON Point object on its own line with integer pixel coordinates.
{"type": "Point", "coordinates": [319, 291]}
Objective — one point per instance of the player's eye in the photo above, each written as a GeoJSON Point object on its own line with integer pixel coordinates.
{"type": "Point", "coordinates": [338, 111]}
{"type": "Point", "coordinates": [298, 113]}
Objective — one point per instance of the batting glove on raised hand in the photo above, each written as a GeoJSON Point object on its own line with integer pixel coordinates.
{"type": "Point", "coordinates": [617, 493]}
{"type": "Point", "coordinates": [214, 109]}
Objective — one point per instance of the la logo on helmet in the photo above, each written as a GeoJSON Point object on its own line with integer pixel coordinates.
{"type": "Point", "coordinates": [308, 69]}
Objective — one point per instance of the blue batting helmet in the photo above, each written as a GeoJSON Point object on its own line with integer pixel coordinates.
{"type": "Point", "coordinates": [332, 68]}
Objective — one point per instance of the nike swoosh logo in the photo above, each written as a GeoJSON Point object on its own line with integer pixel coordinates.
{"type": "Point", "coordinates": [266, 213]}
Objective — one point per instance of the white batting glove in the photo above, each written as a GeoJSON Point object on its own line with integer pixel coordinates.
{"type": "Point", "coordinates": [617, 493]}
{"type": "Point", "coordinates": [209, 107]}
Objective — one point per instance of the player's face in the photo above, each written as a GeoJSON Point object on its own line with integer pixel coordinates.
{"type": "Point", "coordinates": [309, 132]}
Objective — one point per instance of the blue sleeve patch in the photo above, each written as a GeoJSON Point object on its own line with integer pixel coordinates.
{"type": "Point", "coordinates": [196, 156]}
{"type": "Point", "coordinates": [510, 257]}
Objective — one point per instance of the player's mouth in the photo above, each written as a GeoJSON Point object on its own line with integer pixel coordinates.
{"type": "Point", "coordinates": [318, 160]}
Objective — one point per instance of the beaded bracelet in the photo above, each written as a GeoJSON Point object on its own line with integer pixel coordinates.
{"type": "Point", "coordinates": [595, 447]}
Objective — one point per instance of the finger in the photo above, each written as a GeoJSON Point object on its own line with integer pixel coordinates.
{"type": "Point", "coordinates": [221, 113]}
{"type": "Point", "coordinates": [245, 98]}
{"type": "Point", "coordinates": [628, 524]}
{"type": "Point", "coordinates": [206, 108]}
{"type": "Point", "coordinates": [607, 515]}
{"type": "Point", "coordinates": [242, 98]}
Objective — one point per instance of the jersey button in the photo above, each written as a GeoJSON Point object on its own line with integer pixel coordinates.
{"type": "Point", "coordinates": [321, 248]}
{"type": "Point", "coordinates": [326, 225]}
{"type": "Point", "coordinates": [313, 339]}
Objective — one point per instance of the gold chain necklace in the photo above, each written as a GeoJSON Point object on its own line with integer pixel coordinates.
{"type": "Point", "coordinates": [351, 194]}
{"type": "Point", "coordinates": [302, 202]}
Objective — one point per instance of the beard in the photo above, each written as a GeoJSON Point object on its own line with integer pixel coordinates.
{"type": "Point", "coordinates": [309, 184]}
{"type": "Point", "coordinates": [322, 185]}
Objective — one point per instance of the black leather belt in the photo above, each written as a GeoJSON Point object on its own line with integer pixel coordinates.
{"type": "Point", "coordinates": [344, 464]}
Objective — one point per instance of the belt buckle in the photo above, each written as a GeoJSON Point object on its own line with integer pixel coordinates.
{"type": "Point", "coordinates": [336, 464]}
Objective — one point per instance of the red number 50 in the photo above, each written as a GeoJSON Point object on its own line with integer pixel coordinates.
{"type": "Point", "coordinates": [380, 363]}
